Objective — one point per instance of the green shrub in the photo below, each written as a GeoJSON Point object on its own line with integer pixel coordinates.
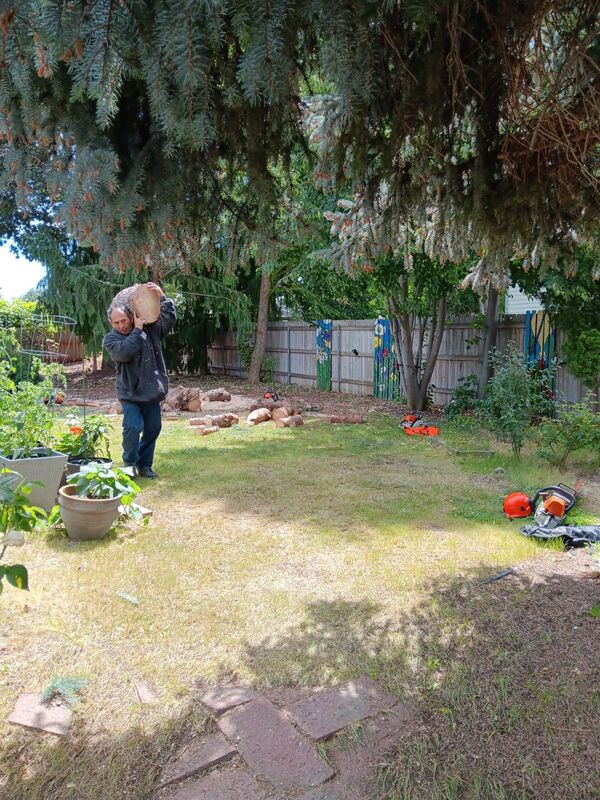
{"type": "Point", "coordinates": [575, 428]}
{"type": "Point", "coordinates": [267, 365]}
{"type": "Point", "coordinates": [464, 397]}
{"type": "Point", "coordinates": [516, 396]}
{"type": "Point", "coordinates": [267, 369]}
{"type": "Point", "coordinates": [583, 356]}
{"type": "Point", "coordinates": [245, 348]}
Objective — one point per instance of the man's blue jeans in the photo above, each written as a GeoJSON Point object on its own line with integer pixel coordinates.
{"type": "Point", "coordinates": [140, 419]}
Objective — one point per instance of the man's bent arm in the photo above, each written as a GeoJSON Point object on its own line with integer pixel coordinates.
{"type": "Point", "coordinates": [168, 317]}
{"type": "Point", "coordinates": [123, 348]}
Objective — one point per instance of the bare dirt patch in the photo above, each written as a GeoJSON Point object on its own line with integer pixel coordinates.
{"type": "Point", "coordinates": [99, 387]}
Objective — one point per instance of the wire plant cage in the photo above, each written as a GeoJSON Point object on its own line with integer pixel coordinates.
{"type": "Point", "coordinates": [29, 339]}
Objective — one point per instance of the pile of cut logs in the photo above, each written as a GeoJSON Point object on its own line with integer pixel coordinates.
{"type": "Point", "coordinates": [282, 412]}
{"type": "Point", "coordinates": [182, 399]}
{"type": "Point", "coordinates": [212, 423]}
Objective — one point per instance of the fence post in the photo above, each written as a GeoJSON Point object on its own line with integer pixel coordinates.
{"type": "Point", "coordinates": [289, 354]}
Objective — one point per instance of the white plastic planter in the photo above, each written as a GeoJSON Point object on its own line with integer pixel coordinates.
{"type": "Point", "coordinates": [48, 469]}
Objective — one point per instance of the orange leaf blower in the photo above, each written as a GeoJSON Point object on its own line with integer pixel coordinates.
{"type": "Point", "coordinates": [549, 505]}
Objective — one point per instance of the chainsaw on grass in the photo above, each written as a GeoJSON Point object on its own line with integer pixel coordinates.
{"type": "Point", "coordinates": [549, 505]}
{"type": "Point", "coordinates": [414, 426]}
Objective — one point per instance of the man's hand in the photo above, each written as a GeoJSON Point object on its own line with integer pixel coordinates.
{"type": "Point", "coordinates": [155, 288]}
{"type": "Point", "coordinates": [138, 322]}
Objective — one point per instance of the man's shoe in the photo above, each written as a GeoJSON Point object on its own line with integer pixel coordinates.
{"type": "Point", "coordinates": [131, 470]}
{"type": "Point", "coordinates": [147, 472]}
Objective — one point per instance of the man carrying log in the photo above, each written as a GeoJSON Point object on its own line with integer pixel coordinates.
{"type": "Point", "coordinates": [142, 383]}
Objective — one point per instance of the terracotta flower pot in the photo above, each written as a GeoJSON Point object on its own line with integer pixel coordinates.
{"type": "Point", "coordinates": [84, 517]}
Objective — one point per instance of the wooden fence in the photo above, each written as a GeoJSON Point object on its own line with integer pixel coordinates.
{"type": "Point", "coordinates": [68, 347]}
{"type": "Point", "coordinates": [292, 346]}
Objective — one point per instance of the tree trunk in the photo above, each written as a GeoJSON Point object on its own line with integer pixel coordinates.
{"type": "Point", "coordinates": [402, 334]}
{"type": "Point", "coordinates": [416, 384]}
{"type": "Point", "coordinates": [108, 365]}
{"type": "Point", "coordinates": [94, 361]}
{"type": "Point", "coordinates": [261, 328]}
{"type": "Point", "coordinates": [489, 340]}
{"type": "Point", "coordinates": [436, 334]}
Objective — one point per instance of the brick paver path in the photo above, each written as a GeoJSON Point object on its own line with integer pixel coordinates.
{"type": "Point", "coordinates": [276, 747]}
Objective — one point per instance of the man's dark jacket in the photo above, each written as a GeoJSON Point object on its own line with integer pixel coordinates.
{"type": "Point", "coordinates": [141, 372]}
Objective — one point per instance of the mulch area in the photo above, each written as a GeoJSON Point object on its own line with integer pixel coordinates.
{"type": "Point", "coordinates": [99, 387]}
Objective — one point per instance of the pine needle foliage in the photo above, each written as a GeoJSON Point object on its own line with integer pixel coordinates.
{"type": "Point", "coordinates": [139, 118]}
{"type": "Point", "coordinates": [467, 127]}
{"type": "Point", "coordinates": [67, 687]}
{"type": "Point", "coordinates": [481, 120]}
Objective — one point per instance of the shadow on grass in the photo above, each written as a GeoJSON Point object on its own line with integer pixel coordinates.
{"type": "Point", "coordinates": [509, 689]}
{"type": "Point", "coordinates": [504, 679]}
{"type": "Point", "coordinates": [503, 676]}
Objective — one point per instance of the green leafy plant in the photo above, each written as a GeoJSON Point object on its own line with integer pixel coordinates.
{"type": "Point", "coordinates": [245, 348]}
{"type": "Point", "coordinates": [464, 397]}
{"type": "Point", "coordinates": [26, 417]}
{"type": "Point", "coordinates": [16, 517]}
{"type": "Point", "coordinates": [583, 356]}
{"type": "Point", "coordinates": [20, 322]}
{"type": "Point", "coordinates": [267, 365]}
{"type": "Point", "coordinates": [576, 427]}
{"type": "Point", "coordinates": [516, 396]}
{"type": "Point", "coordinates": [267, 368]}
{"type": "Point", "coordinates": [99, 482]}
{"type": "Point", "coordinates": [86, 440]}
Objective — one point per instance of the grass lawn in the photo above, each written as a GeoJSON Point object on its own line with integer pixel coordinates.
{"type": "Point", "coordinates": [307, 557]}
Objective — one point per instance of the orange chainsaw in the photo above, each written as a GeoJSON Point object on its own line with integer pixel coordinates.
{"type": "Point", "coordinates": [414, 426]}
{"type": "Point", "coordinates": [549, 505]}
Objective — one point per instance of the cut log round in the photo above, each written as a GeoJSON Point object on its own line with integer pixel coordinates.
{"type": "Point", "coordinates": [141, 299]}
{"type": "Point", "coordinates": [146, 303]}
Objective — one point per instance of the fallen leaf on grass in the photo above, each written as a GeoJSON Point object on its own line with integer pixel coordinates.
{"type": "Point", "coordinates": [129, 598]}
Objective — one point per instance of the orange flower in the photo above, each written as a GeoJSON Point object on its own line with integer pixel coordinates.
{"type": "Point", "coordinates": [75, 430]}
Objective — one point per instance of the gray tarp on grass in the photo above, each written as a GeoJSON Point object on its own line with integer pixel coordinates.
{"type": "Point", "coordinates": [573, 534]}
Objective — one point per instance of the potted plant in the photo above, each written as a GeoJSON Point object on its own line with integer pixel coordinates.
{"type": "Point", "coordinates": [90, 502]}
{"type": "Point", "coordinates": [16, 517]}
{"type": "Point", "coordinates": [26, 422]}
{"type": "Point", "coordinates": [85, 442]}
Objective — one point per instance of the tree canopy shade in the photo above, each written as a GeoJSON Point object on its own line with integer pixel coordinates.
{"type": "Point", "coordinates": [476, 124]}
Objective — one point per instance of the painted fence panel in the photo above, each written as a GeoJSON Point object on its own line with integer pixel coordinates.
{"type": "Point", "coordinates": [294, 349]}
{"type": "Point", "coordinates": [324, 334]}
